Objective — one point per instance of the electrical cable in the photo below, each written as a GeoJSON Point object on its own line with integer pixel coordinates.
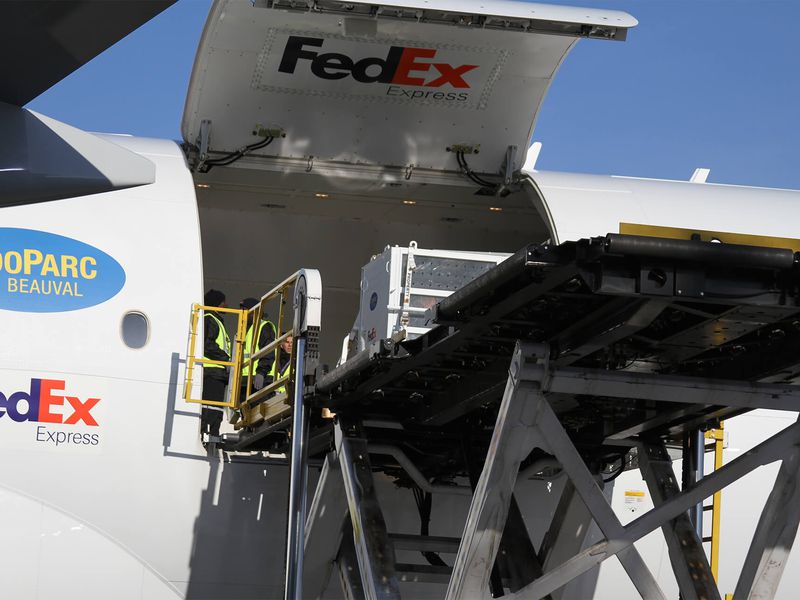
{"type": "Point", "coordinates": [234, 156]}
{"type": "Point", "coordinates": [462, 161]}
{"type": "Point", "coordinates": [474, 177]}
{"type": "Point", "coordinates": [424, 502]}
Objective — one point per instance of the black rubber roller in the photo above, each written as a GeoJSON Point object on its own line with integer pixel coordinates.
{"type": "Point", "coordinates": [696, 251]}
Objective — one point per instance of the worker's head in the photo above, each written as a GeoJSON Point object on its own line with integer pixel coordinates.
{"type": "Point", "coordinates": [214, 298]}
{"type": "Point", "coordinates": [247, 304]}
{"type": "Point", "coordinates": [286, 345]}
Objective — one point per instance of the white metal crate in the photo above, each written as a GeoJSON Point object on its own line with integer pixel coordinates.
{"type": "Point", "coordinates": [396, 291]}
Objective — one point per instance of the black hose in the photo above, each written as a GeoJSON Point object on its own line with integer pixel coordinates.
{"type": "Point", "coordinates": [234, 156]}
{"type": "Point", "coordinates": [708, 253]}
{"type": "Point", "coordinates": [424, 502]}
{"type": "Point", "coordinates": [475, 178]}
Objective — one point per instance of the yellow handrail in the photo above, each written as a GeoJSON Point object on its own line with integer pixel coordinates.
{"type": "Point", "coordinates": [243, 359]}
{"type": "Point", "coordinates": [718, 435]}
{"type": "Point", "coordinates": [281, 292]}
{"type": "Point", "coordinates": [234, 363]}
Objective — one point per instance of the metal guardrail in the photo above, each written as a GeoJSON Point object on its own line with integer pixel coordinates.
{"type": "Point", "coordinates": [234, 364]}
{"type": "Point", "coordinates": [252, 407]}
{"type": "Point", "coordinates": [717, 435]}
{"type": "Point", "coordinates": [242, 357]}
{"type": "Point", "coordinates": [305, 288]}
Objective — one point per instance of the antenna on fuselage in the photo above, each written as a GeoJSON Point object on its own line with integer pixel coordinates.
{"type": "Point", "coordinates": [532, 156]}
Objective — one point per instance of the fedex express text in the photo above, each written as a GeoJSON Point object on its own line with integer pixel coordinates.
{"type": "Point", "coordinates": [46, 402]}
{"type": "Point", "coordinates": [401, 68]}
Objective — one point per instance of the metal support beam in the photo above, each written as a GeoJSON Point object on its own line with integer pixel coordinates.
{"type": "Point", "coordinates": [374, 550]}
{"type": "Point", "coordinates": [518, 562]}
{"type": "Point", "coordinates": [769, 451]}
{"type": "Point", "coordinates": [298, 484]}
{"type": "Point", "coordinates": [416, 475]}
{"type": "Point", "coordinates": [686, 553]}
{"type": "Point", "coordinates": [774, 536]}
{"type": "Point", "coordinates": [567, 532]}
{"type": "Point", "coordinates": [692, 467]}
{"type": "Point", "coordinates": [423, 573]}
{"type": "Point", "coordinates": [349, 575]}
{"type": "Point", "coordinates": [553, 433]}
{"type": "Point", "coordinates": [524, 421]}
{"type": "Point", "coordinates": [666, 388]}
{"type": "Point", "coordinates": [323, 528]}
{"type": "Point", "coordinates": [699, 448]}
{"type": "Point", "coordinates": [424, 543]}
{"type": "Point", "coordinates": [512, 441]}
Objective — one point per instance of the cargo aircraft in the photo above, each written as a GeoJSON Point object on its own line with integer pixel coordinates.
{"type": "Point", "coordinates": [314, 134]}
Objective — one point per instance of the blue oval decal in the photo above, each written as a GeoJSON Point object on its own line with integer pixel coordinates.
{"type": "Point", "coordinates": [45, 272]}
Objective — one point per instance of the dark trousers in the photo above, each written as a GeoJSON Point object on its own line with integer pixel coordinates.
{"type": "Point", "coordinates": [243, 389]}
{"type": "Point", "coordinates": [211, 416]}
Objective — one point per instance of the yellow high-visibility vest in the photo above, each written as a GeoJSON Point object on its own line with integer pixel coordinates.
{"type": "Point", "coordinates": [248, 340]}
{"type": "Point", "coordinates": [223, 341]}
{"type": "Point", "coordinates": [275, 375]}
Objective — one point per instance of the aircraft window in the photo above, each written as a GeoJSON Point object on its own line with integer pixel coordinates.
{"type": "Point", "coordinates": [135, 330]}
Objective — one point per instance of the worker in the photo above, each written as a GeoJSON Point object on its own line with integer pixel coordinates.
{"type": "Point", "coordinates": [216, 346]}
{"type": "Point", "coordinates": [281, 368]}
{"type": "Point", "coordinates": [264, 335]}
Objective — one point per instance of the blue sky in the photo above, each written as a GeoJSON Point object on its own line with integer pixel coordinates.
{"type": "Point", "coordinates": [699, 83]}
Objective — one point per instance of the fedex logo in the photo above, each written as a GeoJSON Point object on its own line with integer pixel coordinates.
{"type": "Point", "coordinates": [401, 66]}
{"type": "Point", "coordinates": [45, 402]}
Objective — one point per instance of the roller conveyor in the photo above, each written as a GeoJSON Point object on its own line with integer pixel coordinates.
{"type": "Point", "coordinates": [619, 303]}
{"type": "Point", "coordinates": [584, 359]}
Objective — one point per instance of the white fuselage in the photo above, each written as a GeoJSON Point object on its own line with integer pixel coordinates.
{"type": "Point", "coordinates": [106, 490]}
{"type": "Point", "coordinates": [140, 508]}
{"type": "Point", "coordinates": [139, 512]}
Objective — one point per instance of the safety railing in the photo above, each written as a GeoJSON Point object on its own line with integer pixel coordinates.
{"type": "Point", "coordinates": [279, 294]}
{"type": "Point", "coordinates": [718, 441]}
{"type": "Point", "coordinates": [273, 402]}
{"type": "Point", "coordinates": [234, 365]}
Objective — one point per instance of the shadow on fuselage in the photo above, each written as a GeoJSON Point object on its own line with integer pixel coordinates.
{"type": "Point", "coordinates": [239, 532]}
{"type": "Point", "coordinates": [238, 540]}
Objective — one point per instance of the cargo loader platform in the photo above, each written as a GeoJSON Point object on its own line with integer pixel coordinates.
{"type": "Point", "coordinates": [646, 305]}
{"type": "Point", "coordinates": [586, 358]}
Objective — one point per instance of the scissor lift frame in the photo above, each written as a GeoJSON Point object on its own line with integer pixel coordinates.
{"type": "Point", "coordinates": [526, 420]}
{"type": "Point", "coordinates": [345, 527]}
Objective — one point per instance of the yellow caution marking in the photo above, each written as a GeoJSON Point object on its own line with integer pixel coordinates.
{"type": "Point", "coordinates": [677, 233]}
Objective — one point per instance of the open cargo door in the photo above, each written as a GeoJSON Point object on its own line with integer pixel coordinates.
{"type": "Point", "coordinates": [348, 109]}
{"type": "Point", "coordinates": [393, 85]}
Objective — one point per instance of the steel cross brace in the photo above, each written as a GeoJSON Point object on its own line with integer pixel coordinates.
{"type": "Point", "coordinates": [349, 573]}
{"type": "Point", "coordinates": [373, 548]}
{"type": "Point", "coordinates": [689, 562]}
{"type": "Point", "coordinates": [774, 536]}
{"type": "Point", "coordinates": [324, 528]}
{"type": "Point", "coordinates": [665, 388]}
{"type": "Point", "coordinates": [518, 561]}
{"type": "Point", "coordinates": [769, 451]}
{"type": "Point", "coordinates": [525, 420]}
{"type": "Point", "coordinates": [346, 488]}
{"type": "Point", "coordinates": [567, 533]}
